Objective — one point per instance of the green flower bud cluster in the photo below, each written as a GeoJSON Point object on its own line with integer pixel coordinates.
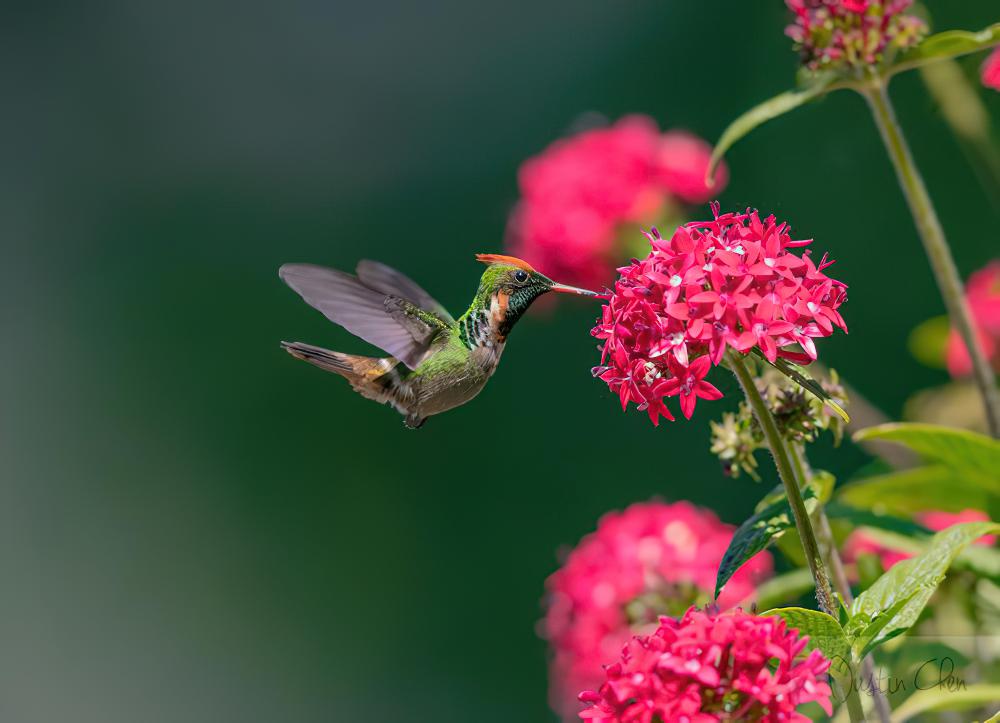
{"type": "Point", "coordinates": [800, 416]}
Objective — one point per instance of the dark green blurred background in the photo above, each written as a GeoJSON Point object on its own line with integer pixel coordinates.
{"type": "Point", "coordinates": [193, 526]}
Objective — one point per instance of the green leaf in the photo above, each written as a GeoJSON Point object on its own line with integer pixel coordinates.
{"type": "Point", "coordinates": [934, 487]}
{"type": "Point", "coordinates": [798, 375]}
{"type": "Point", "coordinates": [757, 533]}
{"type": "Point", "coordinates": [825, 634]}
{"type": "Point", "coordinates": [785, 588]}
{"type": "Point", "coordinates": [891, 605]}
{"type": "Point", "coordinates": [949, 44]}
{"type": "Point", "coordinates": [943, 698]}
{"type": "Point", "coordinates": [928, 341]}
{"type": "Point", "coordinates": [760, 114]}
{"type": "Point", "coordinates": [995, 718]}
{"type": "Point", "coordinates": [966, 452]}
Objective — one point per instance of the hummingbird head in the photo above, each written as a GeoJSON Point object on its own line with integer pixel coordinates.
{"type": "Point", "coordinates": [509, 286]}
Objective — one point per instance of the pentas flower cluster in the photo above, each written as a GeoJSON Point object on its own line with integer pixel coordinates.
{"type": "Point", "coordinates": [991, 70]}
{"type": "Point", "coordinates": [712, 667]}
{"type": "Point", "coordinates": [582, 193]}
{"type": "Point", "coordinates": [982, 293]}
{"type": "Point", "coordinates": [860, 542]}
{"type": "Point", "coordinates": [729, 283]}
{"type": "Point", "coordinates": [844, 34]}
{"type": "Point", "coordinates": [652, 559]}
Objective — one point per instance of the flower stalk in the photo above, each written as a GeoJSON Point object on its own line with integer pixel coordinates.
{"type": "Point", "coordinates": [786, 471]}
{"type": "Point", "coordinates": [935, 244]}
{"type": "Point", "coordinates": [840, 582]}
{"type": "Point", "coordinates": [785, 462]}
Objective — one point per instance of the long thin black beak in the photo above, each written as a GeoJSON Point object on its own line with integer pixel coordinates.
{"type": "Point", "coordinates": [563, 289]}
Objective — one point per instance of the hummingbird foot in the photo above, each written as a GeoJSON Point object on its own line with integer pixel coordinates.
{"type": "Point", "coordinates": [412, 421]}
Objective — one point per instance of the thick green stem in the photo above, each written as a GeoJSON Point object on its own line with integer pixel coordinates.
{"type": "Point", "coordinates": [840, 582]}
{"type": "Point", "coordinates": [935, 244]}
{"type": "Point", "coordinates": [783, 461]}
{"type": "Point", "coordinates": [855, 710]}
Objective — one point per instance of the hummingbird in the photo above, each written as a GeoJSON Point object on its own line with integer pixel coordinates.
{"type": "Point", "coordinates": [436, 362]}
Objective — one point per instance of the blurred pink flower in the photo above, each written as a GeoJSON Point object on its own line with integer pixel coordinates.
{"type": "Point", "coordinates": [580, 192]}
{"type": "Point", "coordinates": [732, 282]}
{"type": "Point", "coordinates": [991, 70]}
{"type": "Point", "coordinates": [683, 161]}
{"type": "Point", "coordinates": [654, 558]}
{"type": "Point", "coordinates": [711, 666]}
{"type": "Point", "coordinates": [838, 34]}
{"type": "Point", "coordinates": [982, 293]}
{"type": "Point", "coordinates": [861, 542]}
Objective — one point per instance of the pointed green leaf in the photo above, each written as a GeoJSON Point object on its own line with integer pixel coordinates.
{"type": "Point", "coordinates": [757, 533]}
{"type": "Point", "coordinates": [760, 114]}
{"type": "Point", "coordinates": [995, 718]}
{"type": "Point", "coordinates": [891, 605]}
{"type": "Point", "coordinates": [949, 44]}
{"type": "Point", "coordinates": [970, 454]}
{"type": "Point", "coordinates": [941, 698]}
{"type": "Point", "coordinates": [825, 634]}
{"type": "Point", "coordinates": [934, 487]}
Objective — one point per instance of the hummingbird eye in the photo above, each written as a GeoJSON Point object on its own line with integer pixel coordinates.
{"type": "Point", "coordinates": [520, 276]}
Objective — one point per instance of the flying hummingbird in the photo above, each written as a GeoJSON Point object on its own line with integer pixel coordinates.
{"type": "Point", "coordinates": [437, 362]}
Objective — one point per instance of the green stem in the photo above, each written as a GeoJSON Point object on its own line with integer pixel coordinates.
{"type": "Point", "coordinates": [935, 245]}
{"type": "Point", "coordinates": [783, 461]}
{"type": "Point", "coordinates": [854, 708]}
{"type": "Point", "coordinates": [840, 582]}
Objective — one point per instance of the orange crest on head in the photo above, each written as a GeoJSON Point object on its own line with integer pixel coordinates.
{"type": "Point", "coordinates": [501, 259]}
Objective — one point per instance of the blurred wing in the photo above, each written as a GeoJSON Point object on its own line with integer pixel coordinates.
{"type": "Point", "coordinates": [375, 317]}
{"type": "Point", "coordinates": [389, 281]}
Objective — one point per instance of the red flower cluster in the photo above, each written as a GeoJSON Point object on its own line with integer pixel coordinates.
{"type": "Point", "coordinates": [654, 558]}
{"type": "Point", "coordinates": [860, 542]}
{"type": "Point", "coordinates": [836, 34]}
{"type": "Point", "coordinates": [727, 283]}
{"type": "Point", "coordinates": [712, 667]}
{"type": "Point", "coordinates": [982, 293]}
{"type": "Point", "coordinates": [991, 70]}
{"type": "Point", "coordinates": [581, 192]}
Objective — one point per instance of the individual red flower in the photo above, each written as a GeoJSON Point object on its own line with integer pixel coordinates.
{"type": "Point", "coordinates": [860, 542]}
{"type": "Point", "coordinates": [729, 283]}
{"type": "Point", "coordinates": [982, 293]}
{"type": "Point", "coordinates": [841, 34]}
{"type": "Point", "coordinates": [991, 70]}
{"type": "Point", "coordinates": [583, 194]}
{"type": "Point", "coordinates": [654, 558]}
{"type": "Point", "coordinates": [711, 666]}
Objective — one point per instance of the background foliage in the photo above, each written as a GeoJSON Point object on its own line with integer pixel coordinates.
{"type": "Point", "coordinates": [193, 526]}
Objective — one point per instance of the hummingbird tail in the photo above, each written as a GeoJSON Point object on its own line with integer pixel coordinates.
{"type": "Point", "coordinates": [371, 377]}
